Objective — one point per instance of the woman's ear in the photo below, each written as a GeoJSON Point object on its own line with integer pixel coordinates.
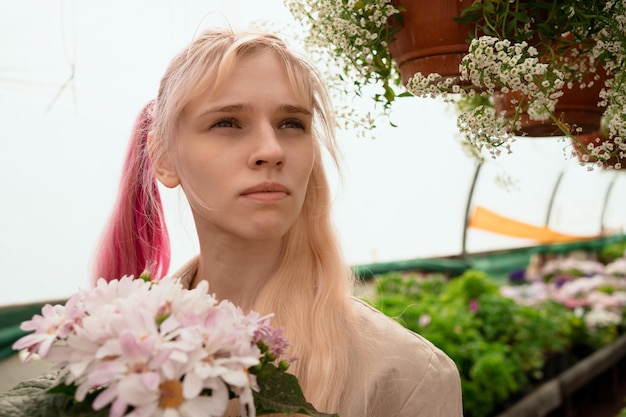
{"type": "Point", "coordinates": [163, 167]}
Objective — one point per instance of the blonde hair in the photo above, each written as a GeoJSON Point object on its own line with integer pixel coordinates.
{"type": "Point", "coordinates": [310, 289]}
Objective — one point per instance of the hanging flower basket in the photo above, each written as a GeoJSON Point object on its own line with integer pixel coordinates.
{"type": "Point", "coordinates": [577, 109]}
{"type": "Point", "coordinates": [584, 143]}
{"type": "Point", "coordinates": [429, 40]}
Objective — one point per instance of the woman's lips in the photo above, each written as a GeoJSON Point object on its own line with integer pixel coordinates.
{"type": "Point", "coordinates": [267, 191]}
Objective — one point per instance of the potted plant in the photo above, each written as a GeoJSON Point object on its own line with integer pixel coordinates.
{"type": "Point", "coordinates": [527, 52]}
{"type": "Point", "coordinates": [528, 55]}
{"type": "Point", "coordinates": [509, 338]}
{"type": "Point", "coordinates": [373, 47]}
{"type": "Point", "coordinates": [499, 346]}
{"type": "Point", "coordinates": [600, 147]}
{"type": "Point", "coordinates": [352, 39]}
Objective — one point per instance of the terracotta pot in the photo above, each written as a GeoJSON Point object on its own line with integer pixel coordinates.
{"type": "Point", "coordinates": [430, 40]}
{"type": "Point", "coordinates": [595, 137]}
{"type": "Point", "coordinates": [577, 107]}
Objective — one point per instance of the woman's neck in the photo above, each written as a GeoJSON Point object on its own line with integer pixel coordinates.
{"type": "Point", "coordinates": [236, 271]}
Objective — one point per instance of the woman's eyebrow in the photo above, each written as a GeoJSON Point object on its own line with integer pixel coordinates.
{"type": "Point", "coordinates": [229, 108]}
{"type": "Point", "coordinates": [233, 108]}
{"type": "Point", "coordinates": [289, 108]}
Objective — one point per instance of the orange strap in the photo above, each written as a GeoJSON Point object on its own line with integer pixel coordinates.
{"type": "Point", "coordinates": [487, 220]}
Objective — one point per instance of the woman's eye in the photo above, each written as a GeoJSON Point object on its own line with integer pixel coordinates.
{"type": "Point", "coordinates": [228, 122]}
{"type": "Point", "coordinates": [293, 124]}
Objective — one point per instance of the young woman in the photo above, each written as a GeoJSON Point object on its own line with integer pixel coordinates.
{"type": "Point", "coordinates": [239, 123]}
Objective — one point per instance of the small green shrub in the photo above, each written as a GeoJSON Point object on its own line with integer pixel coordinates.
{"type": "Point", "coordinates": [499, 346]}
{"type": "Point", "coordinates": [612, 252]}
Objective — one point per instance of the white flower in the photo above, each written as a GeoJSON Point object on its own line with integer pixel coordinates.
{"type": "Point", "coordinates": [598, 317]}
{"type": "Point", "coordinates": [617, 268]}
{"type": "Point", "coordinates": [154, 348]}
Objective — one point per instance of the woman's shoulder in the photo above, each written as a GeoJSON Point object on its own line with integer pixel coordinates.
{"type": "Point", "coordinates": [396, 342]}
{"type": "Point", "coordinates": [423, 377]}
{"type": "Point", "coordinates": [385, 328]}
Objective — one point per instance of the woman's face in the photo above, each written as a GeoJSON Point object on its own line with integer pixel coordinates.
{"type": "Point", "coordinates": [245, 153]}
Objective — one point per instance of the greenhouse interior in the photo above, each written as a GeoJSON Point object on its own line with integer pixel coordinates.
{"type": "Point", "coordinates": [505, 248]}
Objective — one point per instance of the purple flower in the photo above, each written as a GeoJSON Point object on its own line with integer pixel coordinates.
{"type": "Point", "coordinates": [518, 276]}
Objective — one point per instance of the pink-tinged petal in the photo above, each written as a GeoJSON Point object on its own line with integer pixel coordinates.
{"type": "Point", "coordinates": [30, 340]}
{"type": "Point", "coordinates": [118, 408]}
{"type": "Point", "coordinates": [151, 380]}
{"type": "Point", "coordinates": [132, 390]}
{"type": "Point", "coordinates": [168, 369]}
{"type": "Point", "coordinates": [33, 324]}
{"type": "Point", "coordinates": [169, 325]}
{"type": "Point", "coordinates": [110, 349]}
{"type": "Point", "coordinates": [130, 345]}
{"type": "Point", "coordinates": [81, 392]}
{"type": "Point", "coordinates": [104, 398]}
{"type": "Point", "coordinates": [192, 386]}
{"type": "Point", "coordinates": [178, 356]}
{"type": "Point", "coordinates": [44, 348]}
{"type": "Point", "coordinates": [106, 372]}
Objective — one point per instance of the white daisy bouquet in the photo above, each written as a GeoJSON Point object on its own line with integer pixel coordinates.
{"type": "Point", "coordinates": [136, 347]}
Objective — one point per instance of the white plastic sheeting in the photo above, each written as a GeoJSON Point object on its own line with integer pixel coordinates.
{"type": "Point", "coordinates": [73, 75]}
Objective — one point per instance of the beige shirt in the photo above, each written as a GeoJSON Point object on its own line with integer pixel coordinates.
{"type": "Point", "coordinates": [408, 375]}
{"type": "Point", "coordinates": [411, 379]}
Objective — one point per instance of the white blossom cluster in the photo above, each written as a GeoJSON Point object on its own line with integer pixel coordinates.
{"type": "Point", "coordinates": [350, 38]}
{"type": "Point", "coordinates": [347, 40]}
{"type": "Point", "coordinates": [483, 129]}
{"type": "Point", "coordinates": [153, 348]}
{"type": "Point", "coordinates": [595, 292]}
{"type": "Point", "coordinates": [599, 317]}
{"type": "Point", "coordinates": [609, 49]}
{"type": "Point", "coordinates": [494, 66]}
{"type": "Point", "coordinates": [357, 32]}
{"type": "Point", "coordinates": [499, 65]}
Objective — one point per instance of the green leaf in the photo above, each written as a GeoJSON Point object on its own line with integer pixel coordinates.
{"type": "Point", "coordinates": [280, 392]}
{"type": "Point", "coordinates": [76, 409]}
{"type": "Point", "coordinates": [84, 410]}
{"type": "Point", "coordinates": [63, 388]}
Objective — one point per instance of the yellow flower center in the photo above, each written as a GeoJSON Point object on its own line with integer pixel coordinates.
{"type": "Point", "coordinates": [171, 394]}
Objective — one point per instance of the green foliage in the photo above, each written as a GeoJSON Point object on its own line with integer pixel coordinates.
{"type": "Point", "coordinates": [74, 408]}
{"type": "Point", "coordinates": [498, 345]}
{"type": "Point", "coordinates": [469, 286]}
{"type": "Point", "coordinates": [280, 392]}
{"type": "Point", "coordinates": [539, 22]}
{"type": "Point", "coordinates": [470, 102]}
{"type": "Point", "coordinates": [492, 378]}
{"type": "Point", "coordinates": [612, 252]}
{"type": "Point", "coordinates": [84, 410]}
{"type": "Point", "coordinates": [355, 36]}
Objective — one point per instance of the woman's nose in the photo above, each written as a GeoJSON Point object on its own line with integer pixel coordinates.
{"type": "Point", "coordinates": [268, 149]}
